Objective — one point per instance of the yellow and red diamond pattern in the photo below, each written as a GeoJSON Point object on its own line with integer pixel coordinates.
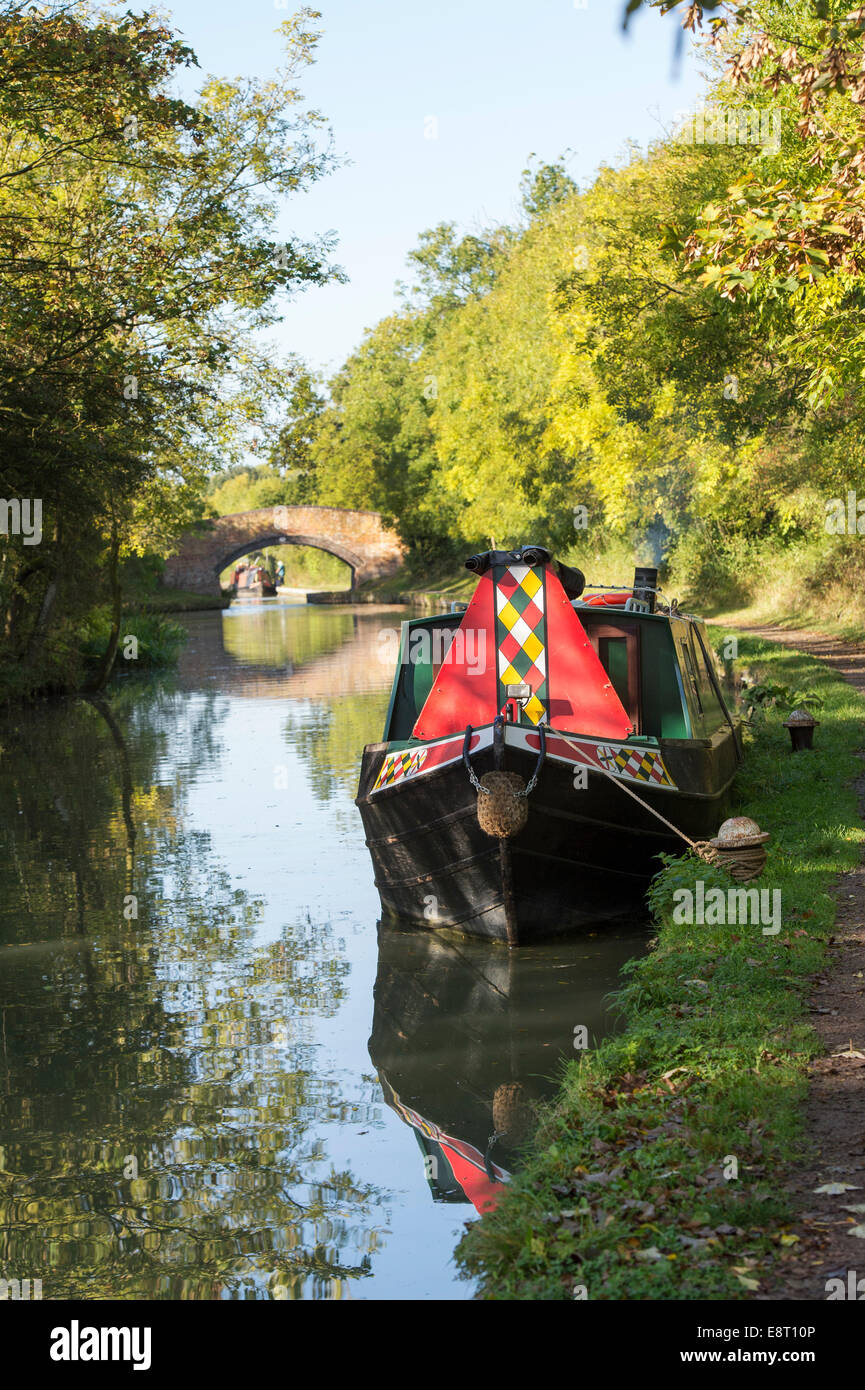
{"type": "Point", "coordinates": [398, 765]}
{"type": "Point", "coordinates": [642, 766]}
{"type": "Point", "coordinates": [521, 636]}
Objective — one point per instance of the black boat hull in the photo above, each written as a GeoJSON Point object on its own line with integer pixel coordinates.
{"type": "Point", "coordinates": [585, 854]}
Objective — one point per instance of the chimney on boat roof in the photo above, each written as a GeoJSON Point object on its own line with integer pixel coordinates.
{"type": "Point", "coordinates": [645, 585]}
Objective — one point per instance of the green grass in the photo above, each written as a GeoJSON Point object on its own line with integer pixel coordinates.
{"type": "Point", "coordinates": [57, 669]}
{"type": "Point", "coordinates": [419, 576]}
{"type": "Point", "coordinates": [815, 582]}
{"type": "Point", "coordinates": [179, 601]}
{"type": "Point", "coordinates": [73, 654]}
{"type": "Point", "coordinates": [157, 640]}
{"type": "Point", "coordinates": [623, 1191]}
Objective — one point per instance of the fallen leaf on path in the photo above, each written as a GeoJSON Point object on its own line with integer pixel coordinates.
{"type": "Point", "coordinates": [832, 1189]}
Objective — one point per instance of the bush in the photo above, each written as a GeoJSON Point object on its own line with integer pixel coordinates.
{"type": "Point", "coordinates": [158, 639]}
{"type": "Point", "coordinates": [817, 579]}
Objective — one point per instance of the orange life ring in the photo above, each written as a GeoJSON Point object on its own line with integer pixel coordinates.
{"type": "Point", "coordinates": [608, 600]}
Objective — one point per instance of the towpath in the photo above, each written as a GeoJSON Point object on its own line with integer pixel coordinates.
{"type": "Point", "coordinates": [835, 1116]}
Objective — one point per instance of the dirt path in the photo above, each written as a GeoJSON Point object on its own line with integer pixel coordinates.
{"type": "Point", "coordinates": [835, 1111]}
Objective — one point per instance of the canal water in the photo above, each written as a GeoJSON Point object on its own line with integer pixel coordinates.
{"type": "Point", "coordinates": [218, 1078]}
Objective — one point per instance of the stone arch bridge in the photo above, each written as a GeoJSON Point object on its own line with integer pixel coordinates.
{"type": "Point", "coordinates": [359, 538]}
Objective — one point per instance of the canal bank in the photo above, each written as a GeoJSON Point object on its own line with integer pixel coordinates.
{"type": "Point", "coordinates": [655, 1171]}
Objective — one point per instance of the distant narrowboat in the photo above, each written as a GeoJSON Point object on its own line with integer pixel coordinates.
{"type": "Point", "coordinates": [607, 708]}
{"type": "Point", "coordinates": [253, 582]}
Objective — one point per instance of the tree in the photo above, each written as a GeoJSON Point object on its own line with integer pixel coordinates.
{"type": "Point", "coordinates": [544, 186]}
{"type": "Point", "coordinates": [451, 270]}
{"type": "Point", "coordinates": [292, 455]}
{"type": "Point", "coordinates": [787, 236]}
{"type": "Point", "coordinates": [374, 445]}
{"type": "Point", "coordinates": [138, 263]}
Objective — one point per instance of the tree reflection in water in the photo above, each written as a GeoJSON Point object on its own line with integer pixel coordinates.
{"type": "Point", "coordinates": [157, 1078]}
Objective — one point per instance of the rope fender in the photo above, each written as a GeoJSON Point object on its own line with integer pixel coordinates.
{"type": "Point", "coordinates": [503, 796]}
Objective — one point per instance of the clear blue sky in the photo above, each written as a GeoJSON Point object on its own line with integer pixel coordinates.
{"type": "Point", "coordinates": [503, 79]}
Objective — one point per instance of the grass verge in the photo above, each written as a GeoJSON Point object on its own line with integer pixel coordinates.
{"type": "Point", "coordinates": [419, 578]}
{"type": "Point", "coordinates": [815, 581]}
{"type": "Point", "coordinates": [654, 1173]}
{"type": "Point", "coordinates": [178, 601]}
{"type": "Point", "coordinates": [445, 578]}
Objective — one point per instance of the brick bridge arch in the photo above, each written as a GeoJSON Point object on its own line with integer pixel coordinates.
{"type": "Point", "coordinates": [359, 538]}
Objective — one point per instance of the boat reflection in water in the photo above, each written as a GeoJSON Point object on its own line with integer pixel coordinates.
{"type": "Point", "coordinates": [468, 1038]}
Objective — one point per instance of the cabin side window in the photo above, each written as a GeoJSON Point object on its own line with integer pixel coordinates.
{"type": "Point", "coordinates": [688, 675]}
{"type": "Point", "coordinates": [712, 707]}
{"type": "Point", "coordinates": [665, 709]}
{"type": "Point", "coordinates": [707, 712]}
{"type": "Point", "coordinates": [691, 673]}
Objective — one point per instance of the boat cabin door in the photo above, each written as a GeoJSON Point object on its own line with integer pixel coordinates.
{"type": "Point", "coordinates": [617, 645]}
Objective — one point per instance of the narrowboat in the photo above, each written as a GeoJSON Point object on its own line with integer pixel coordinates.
{"type": "Point", "coordinates": [255, 590]}
{"type": "Point", "coordinates": [603, 707]}
{"type": "Point", "coordinates": [253, 583]}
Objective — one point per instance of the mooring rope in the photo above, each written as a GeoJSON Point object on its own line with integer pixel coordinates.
{"type": "Point", "coordinates": [700, 847]}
